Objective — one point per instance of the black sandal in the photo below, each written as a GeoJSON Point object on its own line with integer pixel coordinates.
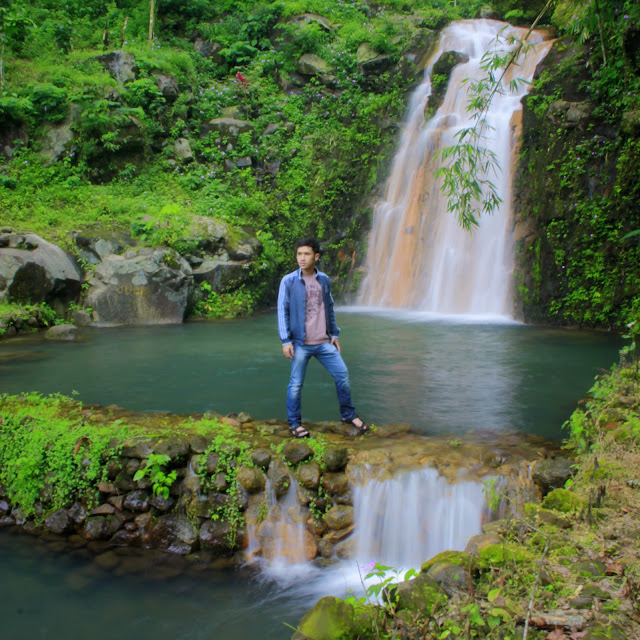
{"type": "Point", "coordinates": [362, 428]}
{"type": "Point", "coordinates": [299, 432]}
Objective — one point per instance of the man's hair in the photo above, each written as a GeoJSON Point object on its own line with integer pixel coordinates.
{"type": "Point", "coordinates": [309, 242]}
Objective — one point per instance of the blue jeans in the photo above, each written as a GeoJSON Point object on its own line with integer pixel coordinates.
{"type": "Point", "coordinates": [332, 361]}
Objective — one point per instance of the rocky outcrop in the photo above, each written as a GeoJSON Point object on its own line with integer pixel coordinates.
{"type": "Point", "coordinates": [145, 286]}
{"type": "Point", "coordinates": [33, 270]}
{"type": "Point", "coordinates": [227, 127]}
{"type": "Point", "coordinates": [120, 65]}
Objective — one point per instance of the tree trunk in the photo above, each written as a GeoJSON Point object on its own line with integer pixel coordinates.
{"type": "Point", "coordinates": [152, 13]}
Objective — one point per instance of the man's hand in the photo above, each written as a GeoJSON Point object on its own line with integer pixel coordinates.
{"type": "Point", "coordinates": [287, 349]}
{"type": "Point", "coordinates": [335, 341]}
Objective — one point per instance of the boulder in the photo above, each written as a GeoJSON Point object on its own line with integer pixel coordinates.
{"type": "Point", "coordinates": [176, 448]}
{"type": "Point", "coordinates": [552, 473]}
{"type": "Point", "coordinates": [174, 533]}
{"type": "Point", "coordinates": [336, 458]}
{"type": "Point", "coordinates": [148, 286]}
{"type": "Point", "coordinates": [309, 475]}
{"type": "Point", "coordinates": [335, 483]}
{"type": "Point", "coordinates": [220, 275]}
{"type": "Point", "coordinates": [59, 522]}
{"type": "Point", "coordinates": [339, 516]}
{"type": "Point", "coordinates": [119, 64]}
{"type": "Point", "coordinates": [251, 478]}
{"type": "Point", "coordinates": [295, 452]}
{"type": "Point", "coordinates": [217, 238]}
{"type": "Point", "coordinates": [451, 578]}
{"type": "Point", "coordinates": [330, 619]}
{"type": "Point", "coordinates": [95, 248]}
{"type": "Point", "coordinates": [209, 50]}
{"type": "Point", "coordinates": [376, 65]}
{"type": "Point", "coordinates": [280, 477]}
{"type": "Point", "coordinates": [226, 127]}
{"type": "Point", "coordinates": [447, 61]}
{"type": "Point", "coordinates": [136, 501]}
{"type": "Point", "coordinates": [62, 333]}
{"type": "Point", "coordinates": [56, 139]}
{"type": "Point", "coordinates": [420, 594]}
{"type": "Point", "coordinates": [34, 270]}
{"type": "Point", "coordinates": [261, 458]}
{"type": "Point", "coordinates": [309, 18]}
{"type": "Point", "coordinates": [365, 53]}
{"type": "Point", "coordinates": [215, 536]}
{"type": "Point", "coordinates": [168, 86]}
{"type": "Point", "coordinates": [310, 64]}
{"type": "Point", "coordinates": [183, 150]}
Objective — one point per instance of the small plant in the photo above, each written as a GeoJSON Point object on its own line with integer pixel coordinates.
{"type": "Point", "coordinates": [161, 481]}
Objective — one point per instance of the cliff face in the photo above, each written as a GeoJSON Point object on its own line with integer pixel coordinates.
{"type": "Point", "coordinates": [576, 196]}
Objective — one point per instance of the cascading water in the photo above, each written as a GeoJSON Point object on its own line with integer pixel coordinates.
{"type": "Point", "coordinates": [418, 256]}
{"type": "Point", "coordinates": [404, 521]}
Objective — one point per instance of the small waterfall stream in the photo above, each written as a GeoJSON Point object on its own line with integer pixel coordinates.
{"type": "Point", "coordinates": [418, 256]}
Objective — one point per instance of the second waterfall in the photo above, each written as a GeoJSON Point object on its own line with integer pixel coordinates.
{"type": "Point", "coordinates": [418, 256]}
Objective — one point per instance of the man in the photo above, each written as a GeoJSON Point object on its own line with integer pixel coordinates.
{"type": "Point", "coordinates": [307, 328]}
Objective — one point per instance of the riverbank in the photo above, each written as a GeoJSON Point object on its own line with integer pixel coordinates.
{"type": "Point", "coordinates": [569, 568]}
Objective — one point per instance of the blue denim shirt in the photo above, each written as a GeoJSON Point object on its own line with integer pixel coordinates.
{"type": "Point", "coordinates": [291, 307]}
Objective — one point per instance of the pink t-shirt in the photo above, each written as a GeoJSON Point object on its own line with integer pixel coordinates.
{"type": "Point", "coordinates": [315, 320]}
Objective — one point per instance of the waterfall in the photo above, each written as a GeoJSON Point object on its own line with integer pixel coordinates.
{"type": "Point", "coordinates": [406, 520]}
{"type": "Point", "coordinates": [418, 256]}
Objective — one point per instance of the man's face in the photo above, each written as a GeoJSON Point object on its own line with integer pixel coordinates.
{"type": "Point", "coordinates": [306, 258]}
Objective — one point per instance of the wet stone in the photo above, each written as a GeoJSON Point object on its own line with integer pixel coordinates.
{"type": "Point", "coordinates": [7, 521]}
{"type": "Point", "coordinates": [325, 548]}
{"type": "Point", "coordinates": [103, 510]}
{"type": "Point", "coordinates": [261, 458]}
{"type": "Point", "coordinates": [199, 444]}
{"type": "Point", "coordinates": [336, 458]}
{"type": "Point", "coordinates": [191, 484]}
{"type": "Point", "coordinates": [212, 463]}
{"type": "Point", "coordinates": [116, 501]}
{"type": "Point", "coordinates": [280, 477]}
{"type": "Point", "coordinates": [309, 474]}
{"type": "Point", "coordinates": [335, 483]}
{"type": "Point", "coordinates": [175, 448]}
{"type": "Point", "coordinates": [138, 448]}
{"type": "Point", "coordinates": [251, 478]}
{"type": "Point", "coordinates": [161, 503]}
{"type": "Point", "coordinates": [339, 517]}
{"type": "Point", "coordinates": [220, 482]}
{"type": "Point", "coordinates": [214, 535]}
{"type": "Point", "coordinates": [4, 507]}
{"type": "Point", "coordinates": [59, 522]}
{"type": "Point", "coordinates": [295, 452]}
{"type": "Point", "coordinates": [97, 528]}
{"type": "Point", "coordinates": [136, 501]}
{"type": "Point", "coordinates": [132, 466]}
{"type": "Point", "coordinates": [125, 538]}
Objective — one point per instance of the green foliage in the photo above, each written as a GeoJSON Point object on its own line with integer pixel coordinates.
{"type": "Point", "coordinates": [161, 481]}
{"type": "Point", "coordinates": [47, 456]}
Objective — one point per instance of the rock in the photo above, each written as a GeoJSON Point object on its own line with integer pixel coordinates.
{"type": "Point", "coordinates": [569, 112]}
{"type": "Point", "coordinates": [220, 275]}
{"type": "Point", "coordinates": [81, 318]}
{"type": "Point", "coordinates": [244, 162]}
{"type": "Point", "coordinates": [280, 477]}
{"type": "Point", "coordinates": [57, 139]}
{"type": "Point", "coordinates": [481, 541]}
{"type": "Point", "coordinates": [103, 510]}
{"type": "Point", "coordinates": [161, 503]}
{"type": "Point", "coordinates": [555, 619]}
{"type": "Point", "coordinates": [176, 448]}
{"type": "Point", "coordinates": [96, 248]}
{"type": "Point", "coordinates": [183, 150]}
{"type": "Point", "coordinates": [309, 475]}
{"type": "Point", "coordinates": [59, 522]}
{"type": "Point", "coordinates": [199, 443]}
{"type": "Point", "coordinates": [174, 533]}
{"type": "Point", "coordinates": [136, 501]}
{"type": "Point", "coordinates": [552, 473]}
{"type": "Point", "coordinates": [335, 483]}
{"type": "Point", "coordinates": [345, 549]}
{"type": "Point", "coordinates": [564, 501]}
{"type": "Point", "coordinates": [339, 516]}
{"type": "Point", "coordinates": [605, 631]}
{"type": "Point", "coordinates": [212, 463]}
{"type": "Point", "coordinates": [261, 458]}
{"type": "Point", "coordinates": [296, 451]}
{"type": "Point", "coordinates": [329, 619]}
{"type": "Point", "coordinates": [420, 594]}
{"type": "Point", "coordinates": [151, 286]}
{"type": "Point", "coordinates": [376, 65]}
{"type": "Point", "coordinates": [226, 127]}
{"type": "Point", "coordinates": [220, 239]}
{"type": "Point", "coordinates": [62, 333]}
{"type": "Point", "coordinates": [271, 129]}
{"type": "Point", "coordinates": [589, 568]}
{"type": "Point", "coordinates": [98, 528]}
{"type": "Point", "coordinates": [336, 458]}
{"type": "Point", "coordinates": [215, 536]}
{"type": "Point", "coordinates": [307, 18]}
{"type": "Point", "coordinates": [191, 484]}
{"type": "Point", "coordinates": [311, 65]}
{"type": "Point", "coordinates": [451, 578]}
{"type": "Point", "coordinates": [33, 270]}
{"type": "Point", "coordinates": [209, 50]}
{"type": "Point", "coordinates": [251, 478]}
{"type": "Point", "coordinates": [630, 122]}
{"type": "Point", "coordinates": [287, 541]}
{"type": "Point", "coordinates": [365, 53]}
{"type": "Point", "coordinates": [120, 65]}
{"type": "Point", "coordinates": [124, 538]}
{"type": "Point", "coordinates": [325, 548]}
{"type": "Point", "coordinates": [139, 448]}
{"type": "Point", "coordinates": [77, 514]}
{"type": "Point", "coordinates": [488, 12]}
{"type": "Point", "coordinates": [168, 86]}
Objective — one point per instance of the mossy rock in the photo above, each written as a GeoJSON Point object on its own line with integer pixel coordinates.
{"type": "Point", "coordinates": [546, 516]}
{"type": "Point", "coordinates": [496, 555]}
{"type": "Point", "coordinates": [417, 595]}
{"type": "Point", "coordinates": [589, 568]}
{"type": "Point", "coordinates": [564, 501]}
{"type": "Point", "coordinates": [330, 619]}
{"type": "Point", "coordinates": [605, 632]}
{"type": "Point", "coordinates": [366, 620]}
{"type": "Point", "coordinates": [459, 558]}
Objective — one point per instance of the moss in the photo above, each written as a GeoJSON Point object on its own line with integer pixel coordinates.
{"type": "Point", "coordinates": [458, 558]}
{"type": "Point", "coordinates": [496, 555]}
{"type": "Point", "coordinates": [330, 619]}
{"type": "Point", "coordinates": [564, 501]}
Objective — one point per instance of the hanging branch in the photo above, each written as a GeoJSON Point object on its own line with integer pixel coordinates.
{"type": "Point", "coordinates": [466, 180]}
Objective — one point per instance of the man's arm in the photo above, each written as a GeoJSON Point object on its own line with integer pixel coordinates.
{"type": "Point", "coordinates": [332, 327]}
{"type": "Point", "coordinates": [283, 319]}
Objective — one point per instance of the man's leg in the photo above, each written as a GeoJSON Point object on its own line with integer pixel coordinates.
{"type": "Point", "coordinates": [301, 355]}
{"type": "Point", "coordinates": [332, 361]}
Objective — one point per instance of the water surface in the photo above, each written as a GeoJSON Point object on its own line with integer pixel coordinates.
{"type": "Point", "coordinates": [438, 375]}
